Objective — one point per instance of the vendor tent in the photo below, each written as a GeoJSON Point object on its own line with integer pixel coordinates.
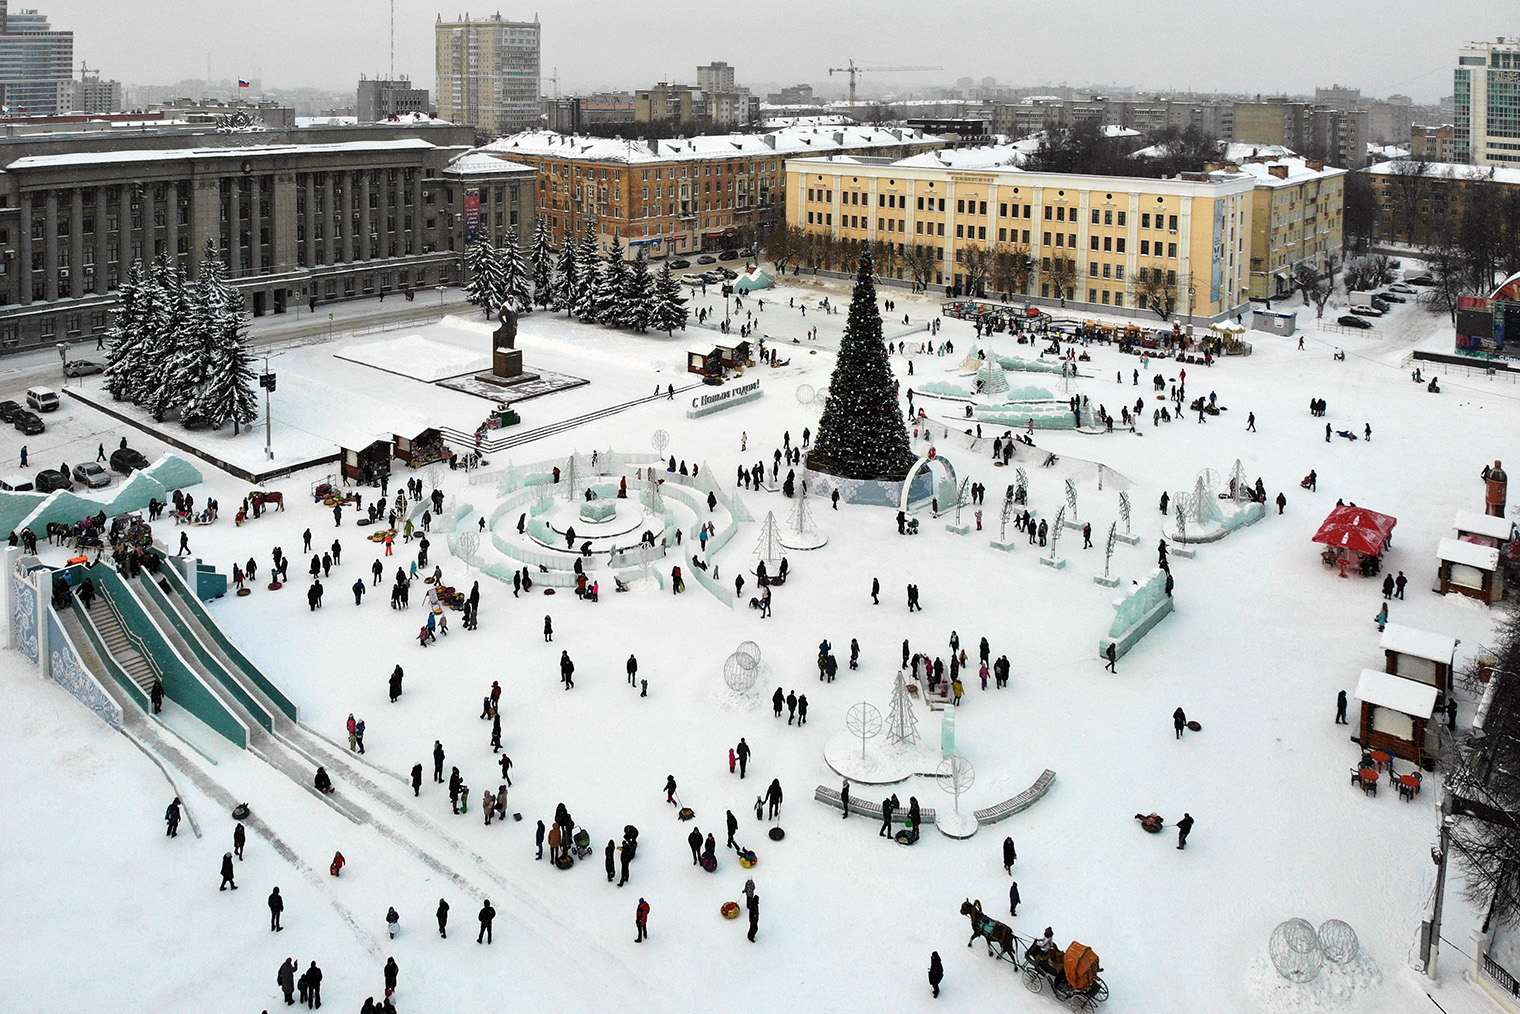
{"type": "Point", "coordinates": [1358, 529]}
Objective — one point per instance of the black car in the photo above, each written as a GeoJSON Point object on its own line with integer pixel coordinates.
{"type": "Point", "coordinates": [27, 422]}
{"type": "Point", "coordinates": [1351, 320]}
{"type": "Point", "coordinates": [1421, 280]}
{"type": "Point", "coordinates": [729, 255]}
{"type": "Point", "coordinates": [1391, 297]}
{"type": "Point", "coordinates": [679, 264]}
{"type": "Point", "coordinates": [8, 410]}
{"type": "Point", "coordinates": [50, 479]}
{"type": "Point", "coordinates": [125, 460]}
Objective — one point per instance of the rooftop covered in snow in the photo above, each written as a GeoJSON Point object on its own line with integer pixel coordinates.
{"type": "Point", "coordinates": [1469, 554]}
{"type": "Point", "coordinates": [84, 158]}
{"type": "Point", "coordinates": [1484, 524]}
{"type": "Point", "coordinates": [787, 142]}
{"type": "Point", "coordinates": [1419, 643]}
{"type": "Point", "coordinates": [1418, 700]}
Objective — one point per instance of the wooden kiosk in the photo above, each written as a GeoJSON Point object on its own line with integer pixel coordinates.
{"type": "Point", "coordinates": [1395, 712]}
{"type": "Point", "coordinates": [1470, 569]}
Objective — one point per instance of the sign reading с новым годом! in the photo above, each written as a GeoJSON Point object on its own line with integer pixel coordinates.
{"type": "Point", "coordinates": [726, 398]}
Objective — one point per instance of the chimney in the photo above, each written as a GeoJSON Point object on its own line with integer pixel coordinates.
{"type": "Point", "coordinates": [1315, 165]}
{"type": "Point", "coordinates": [1280, 171]}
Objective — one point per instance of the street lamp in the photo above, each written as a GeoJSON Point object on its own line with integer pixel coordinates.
{"type": "Point", "coordinates": [63, 359]}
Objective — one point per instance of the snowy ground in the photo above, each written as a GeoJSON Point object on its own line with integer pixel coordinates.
{"type": "Point", "coordinates": [1261, 640]}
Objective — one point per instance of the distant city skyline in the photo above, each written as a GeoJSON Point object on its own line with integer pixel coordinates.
{"type": "Point", "coordinates": [1167, 45]}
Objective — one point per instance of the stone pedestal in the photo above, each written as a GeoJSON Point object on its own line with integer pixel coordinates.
{"type": "Point", "coordinates": [957, 529]}
{"type": "Point", "coordinates": [1059, 563]}
{"type": "Point", "coordinates": [1107, 582]}
{"type": "Point", "coordinates": [1127, 539]}
{"type": "Point", "coordinates": [1006, 547]}
{"type": "Point", "coordinates": [507, 363]}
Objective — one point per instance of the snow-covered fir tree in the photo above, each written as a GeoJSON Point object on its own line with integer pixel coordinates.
{"type": "Point", "coordinates": [192, 356]}
{"type": "Point", "coordinates": [229, 393]}
{"type": "Point", "coordinates": [542, 258]}
{"type": "Point", "coordinates": [567, 281]}
{"type": "Point", "coordinates": [587, 267]}
{"type": "Point", "coordinates": [161, 391]}
{"type": "Point", "coordinates": [638, 296]}
{"type": "Point", "coordinates": [861, 434]}
{"type": "Point", "coordinates": [608, 301]}
{"type": "Point", "coordinates": [153, 323]}
{"type": "Point", "coordinates": [480, 260]}
{"type": "Point", "coordinates": [668, 306]}
{"type": "Point", "coordinates": [125, 337]}
{"type": "Point", "coordinates": [512, 281]}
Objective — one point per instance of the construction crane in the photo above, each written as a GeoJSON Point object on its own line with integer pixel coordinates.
{"type": "Point", "coordinates": [853, 71]}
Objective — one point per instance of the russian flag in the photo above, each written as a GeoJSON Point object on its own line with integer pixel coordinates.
{"type": "Point", "coordinates": [243, 83]}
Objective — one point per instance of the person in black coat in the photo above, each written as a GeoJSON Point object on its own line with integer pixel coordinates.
{"type": "Point", "coordinates": [286, 980]}
{"type": "Point", "coordinates": [227, 873]}
{"type": "Point", "coordinates": [487, 913]}
{"type": "Point", "coordinates": [538, 839]}
{"type": "Point", "coordinates": [390, 975]}
{"type": "Point", "coordinates": [416, 779]}
{"type": "Point", "coordinates": [1179, 722]}
{"type": "Point", "coordinates": [1184, 828]}
{"type": "Point", "coordinates": [611, 860]}
{"type": "Point", "coordinates": [395, 683]}
{"type": "Point", "coordinates": [875, 592]}
{"type": "Point", "coordinates": [936, 972]}
{"type": "Point", "coordinates": [276, 906]}
{"type": "Point", "coordinates": [1010, 855]}
{"type": "Point", "coordinates": [1340, 709]}
{"type": "Point", "coordinates": [156, 695]}
{"type": "Point", "coordinates": [844, 798]}
{"type": "Point", "coordinates": [773, 798]}
{"type": "Point", "coordinates": [443, 918]}
{"type": "Point", "coordinates": [886, 817]}
{"type": "Point", "coordinates": [694, 840]}
{"type": "Point", "coordinates": [314, 979]}
{"type": "Point", "coordinates": [742, 750]}
{"type": "Point", "coordinates": [754, 916]}
{"type": "Point", "coordinates": [733, 827]}
{"type": "Point", "coordinates": [778, 699]}
{"type": "Point", "coordinates": [1013, 898]}
{"type": "Point", "coordinates": [171, 818]}
{"type": "Point", "coordinates": [239, 839]}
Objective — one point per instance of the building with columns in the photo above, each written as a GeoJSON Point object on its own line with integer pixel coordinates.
{"type": "Point", "coordinates": [346, 214]}
{"type": "Point", "coordinates": [1098, 238]}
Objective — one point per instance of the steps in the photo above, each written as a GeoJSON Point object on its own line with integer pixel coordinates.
{"type": "Point", "coordinates": [120, 645]}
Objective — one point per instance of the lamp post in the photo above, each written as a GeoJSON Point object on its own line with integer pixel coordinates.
{"type": "Point", "coordinates": [63, 360]}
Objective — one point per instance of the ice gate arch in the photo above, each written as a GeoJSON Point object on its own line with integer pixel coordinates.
{"type": "Point", "coordinates": [931, 477]}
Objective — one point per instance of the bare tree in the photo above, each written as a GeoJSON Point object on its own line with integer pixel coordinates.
{"type": "Point", "coordinates": [1315, 287]}
{"type": "Point", "coordinates": [921, 262]}
{"type": "Point", "coordinates": [1409, 187]}
{"type": "Point", "coordinates": [975, 260]}
{"type": "Point", "coordinates": [1156, 291]}
{"type": "Point", "coordinates": [1061, 273]}
{"type": "Point", "coordinates": [784, 245]}
{"type": "Point", "coordinates": [1372, 271]}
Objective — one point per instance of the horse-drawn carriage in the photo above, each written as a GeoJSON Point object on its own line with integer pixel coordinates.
{"type": "Point", "coordinates": [1072, 974]}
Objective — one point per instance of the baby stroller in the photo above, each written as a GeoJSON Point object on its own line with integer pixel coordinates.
{"type": "Point", "coordinates": [581, 843]}
{"type": "Point", "coordinates": [911, 527]}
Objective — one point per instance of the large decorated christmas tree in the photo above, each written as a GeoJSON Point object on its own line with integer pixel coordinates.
{"type": "Point", "coordinates": [861, 435]}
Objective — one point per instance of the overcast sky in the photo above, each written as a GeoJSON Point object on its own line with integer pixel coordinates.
{"type": "Point", "coordinates": [1290, 45]}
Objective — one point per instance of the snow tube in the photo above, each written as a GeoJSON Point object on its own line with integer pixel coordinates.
{"type": "Point", "coordinates": [777, 834]}
{"type": "Point", "coordinates": [240, 811]}
{"type": "Point", "coordinates": [730, 910]}
{"type": "Point", "coordinates": [565, 861]}
{"type": "Point", "coordinates": [747, 859]}
{"type": "Point", "coordinates": [1195, 727]}
{"type": "Point", "coordinates": [710, 863]}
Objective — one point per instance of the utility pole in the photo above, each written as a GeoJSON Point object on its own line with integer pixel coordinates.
{"type": "Point", "coordinates": [1430, 931]}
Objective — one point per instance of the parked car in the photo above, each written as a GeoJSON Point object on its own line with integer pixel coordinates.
{"type": "Point", "coordinates": [92, 475]}
{"type": "Point", "coordinates": [1381, 304]}
{"type": "Point", "coordinates": [50, 479]}
{"type": "Point", "coordinates": [1350, 321]}
{"type": "Point", "coordinates": [29, 423]}
{"type": "Point", "coordinates": [695, 281]}
{"type": "Point", "coordinates": [679, 264]}
{"type": "Point", "coordinates": [82, 368]}
{"type": "Point", "coordinates": [17, 484]}
{"type": "Point", "coordinates": [1391, 297]}
{"type": "Point", "coordinates": [1401, 287]}
{"type": "Point", "coordinates": [707, 259]}
{"type": "Point", "coordinates": [125, 460]}
{"type": "Point", "coordinates": [1421, 280]}
{"type": "Point", "coordinates": [713, 277]}
{"type": "Point", "coordinates": [729, 255]}
{"type": "Point", "coordinates": [746, 251]}
{"type": "Point", "coordinates": [728, 273]}
{"type": "Point", "coordinates": [1366, 310]}
{"type": "Point", "coordinates": [8, 410]}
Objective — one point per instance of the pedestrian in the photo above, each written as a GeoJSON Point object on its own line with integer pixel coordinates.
{"type": "Point", "coordinates": [733, 826]}
{"type": "Point", "coordinates": [313, 979]}
{"type": "Point", "coordinates": [777, 700]}
{"type": "Point", "coordinates": [566, 670]}
{"type": "Point", "coordinates": [1112, 654]}
{"type": "Point", "coordinates": [694, 842]}
{"type": "Point", "coordinates": [936, 972]}
{"type": "Point", "coordinates": [437, 761]}
{"type": "Point", "coordinates": [733, 761]}
{"type": "Point", "coordinates": [227, 873]}
{"type": "Point", "coordinates": [743, 751]}
{"type": "Point", "coordinates": [887, 806]}
{"type": "Point", "coordinates": [538, 839]}
{"type": "Point", "coordinates": [1398, 585]}
{"type": "Point", "coordinates": [1387, 586]}
{"type": "Point", "coordinates": [391, 971]}
{"type": "Point", "coordinates": [1327, 433]}
{"type": "Point", "coordinates": [1381, 619]}
{"type": "Point", "coordinates": [286, 980]}
{"type": "Point", "coordinates": [844, 799]}
{"type": "Point", "coordinates": [633, 670]}
{"type": "Point", "coordinates": [395, 681]}
{"type": "Point", "coordinates": [1013, 898]}
{"type": "Point", "coordinates": [548, 629]}
{"type": "Point", "coordinates": [875, 592]}
{"type": "Point", "coordinates": [802, 709]}
{"type": "Point", "coordinates": [1340, 709]}
{"type": "Point", "coordinates": [1250, 422]}
{"type": "Point", "coordinates": [393, 926]}
{"type": "Point", "coordinates": [239, 839]}
{"type": "Point", "coordinates": [1179, 721]}
{"type": "Point", "coordinates": [772, 798]}
{"type": "Point", "coordinates": [1184, 828]}
{"type": "Point", "coordinates": [611, 856]}
{"type": "Point", "coordinates": [1282, 501]}
{"type": "Point", "coordinates": [487, 913]}
{"type": "Point", "coordinates": [276, 908]}
{"type": "Point", "coordinates": [791, 707]}
{"type": "Point", "coordinates": [1010, 855]}
{"type": "Point", "coordinates": [641, 921]}
{"type": "Point", "coordinates": [184, 545]}
{"type": "Point", "coordinates": [754, 915]}
{"type": "Point", "coordinates": [670, 790]}
{"type": "Point", "coordinates": [443, 918]}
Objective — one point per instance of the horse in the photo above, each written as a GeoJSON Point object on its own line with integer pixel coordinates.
{"type": "Point", "coordinates": [263, 499]}
{"type": "Point", "coordinates": [988, 928]}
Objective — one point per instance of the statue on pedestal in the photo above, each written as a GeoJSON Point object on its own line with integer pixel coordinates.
{"type": "Point", "coordinates": [506, 358]}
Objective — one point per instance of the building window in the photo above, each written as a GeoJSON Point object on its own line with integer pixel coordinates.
{"type": "Point", "coordinates": [1092, 269]}
{"type": "Point", "coordinates": [1171, 250]}
{"type": "Point", "coordinates": [1092, 242]}
{"type": "Point", "coordinates": [1171, 223]}
{"type": "Point", "coordinates": [1095, 216]}
{"type": "Point", "coordinates": [1121, 222]}
{"type": "Point", "coordinates": [1145, 220]}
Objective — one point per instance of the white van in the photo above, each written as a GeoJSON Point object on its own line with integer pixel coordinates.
{"type": "Point", "coordinates": [43, 399]}
{"type": "Point", "coordinates": [17, 484]}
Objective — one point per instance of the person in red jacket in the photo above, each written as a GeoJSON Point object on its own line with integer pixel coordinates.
{"type": "Point", "coordinates": [641, 921]}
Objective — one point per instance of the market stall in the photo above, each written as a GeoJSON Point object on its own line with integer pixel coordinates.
{"type": "Point", "coordinates": [1467, 568]}
{"type": "Point", "coordinates": [1395, 712]}
{"type": "Point", "coordinates": [1420, 655]}
{"type": "Point", "coordinates": [1355, 538]}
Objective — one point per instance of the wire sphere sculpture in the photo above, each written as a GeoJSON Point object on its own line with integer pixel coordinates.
{"type": "Point", "coordinates": [748, 653]}
{"type": "Point", "coordinates": [805, 394]}
{"type": "Point", "coordinates": [1210, 479]}
{"type": "Point", "coordinates": [1338, 942]}
{"type": "Point", "coordinates": [739, 676]}
{"type": "Point", "coordinates": [1295, 951]}
{"type": "Point", "coordinates": [660, 441]}
{"type": "Point", "coordinates": [863, 720]}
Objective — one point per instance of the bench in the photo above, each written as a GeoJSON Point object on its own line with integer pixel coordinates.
{"type": "Point", "coordinates": [831, 797]}
{"type": "Point", "coordinates": [1023, 801]}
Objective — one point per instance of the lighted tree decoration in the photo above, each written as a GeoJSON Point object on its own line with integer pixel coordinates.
{"type": "Point", "coordinates": [861, 435]}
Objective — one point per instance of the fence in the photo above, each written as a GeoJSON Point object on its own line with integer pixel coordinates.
{"type": "Point", "coordinates": [1500, 976]}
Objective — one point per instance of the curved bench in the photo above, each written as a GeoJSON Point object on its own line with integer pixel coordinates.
{"type": "Point", "coordinates": [1023, 801]}
{"type": "Point", "coordinates": [831, 797]}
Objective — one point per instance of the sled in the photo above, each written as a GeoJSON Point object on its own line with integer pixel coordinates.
{"type": "Point", "coordinates": [242, 592]}
{"type": "Point", "coordinates": [710, 864]}
{"type": "Point", "coordinates": [240, 811]}
{"type": "Point", "coordinates": [1194, 727]}
{"type": "Point", "coordinates": [686, 813]}
{"type": "Point", "coordinates": [565, 861]}
{"type": "Point", "coordinates": [747, 859]}
{"type": "Point", "coordinates": [517, 816]}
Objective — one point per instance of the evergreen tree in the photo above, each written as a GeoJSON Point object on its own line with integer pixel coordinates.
{"type": "Point", "coordinates": [125, 337]}
{"type": "Point", "coordinates": [543, 264]}
{"type": "Point", "coordinates": [153, 319]}
{"type": "Point", "coordinates": [485, 274]}
{"type": "Point", "coordinates": [208, 298]}
{"type": "Point", "coordinates": [611, 280]}
{"type": "Point", "coordinates": [229, 394]}
{"type": "Point", "coordinates": [567, 281]}
{"type": "Point", "coordinates": [175, 327]}
{"type": "Point", "coordinates": [668, 305]}
{"type": "Point", "coordinates": [587, 267]}
{"type": "Point", "coordinates": [861, 434]}
{"type": "Point", "coordinates": [638, 296]}
{"type": "Point", "coordinates": [512, 278]}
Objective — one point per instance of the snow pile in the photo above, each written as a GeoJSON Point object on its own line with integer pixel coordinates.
{"type": "Point", "coordinates": [420, 358]}
{"type": "Point", "coordinates": [1335, 988]}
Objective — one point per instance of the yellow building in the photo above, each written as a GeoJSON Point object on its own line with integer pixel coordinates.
{"type": "Point", "coordinates": [1295, 219]}
{"type": "Point", "coordinates": [1108, 243]}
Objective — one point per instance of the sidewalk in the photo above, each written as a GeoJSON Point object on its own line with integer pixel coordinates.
{"type": "Point", "coordinates": [339, 318]}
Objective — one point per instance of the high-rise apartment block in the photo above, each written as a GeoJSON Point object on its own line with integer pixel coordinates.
{"type": "Point", "coordinates": [715, 77]}
{"type": "Point", "coordinates": [34, 60]}
{"type": "Point", "coordinates": [379, 99]}
{"type": "Point", "coordinates": [488, 73]}
{"type": "Point", "coordinates": [1487, 107]}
